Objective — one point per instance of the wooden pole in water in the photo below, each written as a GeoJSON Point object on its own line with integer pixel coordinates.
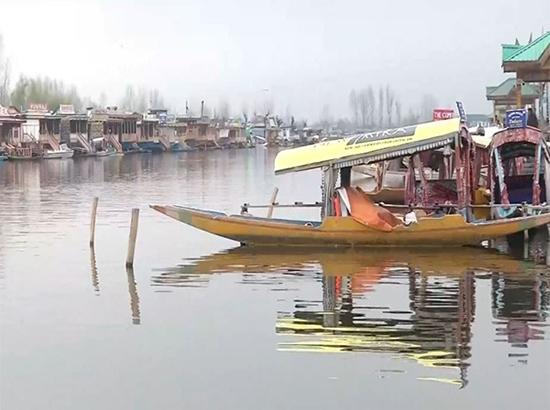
{"type": "Point", "coordinates": [132, 238]}
{"type": "Point", "coordinates": [272, 202]}
{"type": "Point", "coordinates": [92, 221]}
{"type": "Point", "coordinates": [525, 235]}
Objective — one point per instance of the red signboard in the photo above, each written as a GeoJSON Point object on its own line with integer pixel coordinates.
{"type": "Point", "coordinates": [442, 114]}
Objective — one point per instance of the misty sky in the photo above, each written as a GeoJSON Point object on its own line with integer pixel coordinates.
{"type": "Point", "coordinates": [300, 54]}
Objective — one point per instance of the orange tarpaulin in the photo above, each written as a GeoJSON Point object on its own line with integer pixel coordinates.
{"type": "Point", "coordinates": [364, 211]}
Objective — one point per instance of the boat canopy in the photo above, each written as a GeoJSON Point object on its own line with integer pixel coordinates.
{"type": "Point", "coordinates": [370, 147]}
{"type": "Point", "coordinates": [518, 136]}
{"type": "Point", "coordinates": [483, 140]}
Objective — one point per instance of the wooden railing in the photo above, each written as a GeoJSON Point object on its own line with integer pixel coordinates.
{"type": "Point", "coordinates": [20, 152]}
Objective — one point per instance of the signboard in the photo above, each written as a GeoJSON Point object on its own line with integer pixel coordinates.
{"type": "Point", "coordinates": [461, 112]}
{"type": "Point", "coordinates": [38, 107]}
{"type": "Point", "coordinates": [442, 114]}
{"type": "Point", "coordinates": [162, 118]}
{"type": "Point", "coordinates": [515, 119]}
{"type": "Point", "coordinates": [66, 109]}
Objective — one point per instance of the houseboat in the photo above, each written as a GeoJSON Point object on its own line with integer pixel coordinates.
{"type": "Point", "coordinates": [41, 128]}
{"type": "Point", "coordinates": [152, 132]}
{"type": "Point", "coordinates": [12, 142]}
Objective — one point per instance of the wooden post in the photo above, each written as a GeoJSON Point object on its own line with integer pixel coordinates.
{"type": "Point", "coordinates": [519, 84]}
{"type": "Point", "coordinates": [92, 222]}
{"type": "Point", "coordinates": [525, 235]}
{"type": "Point", "coordinates": [132, 238]}
{"type": "Point", "coordinates": [272, 202]}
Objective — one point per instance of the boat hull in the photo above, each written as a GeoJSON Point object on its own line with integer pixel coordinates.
{"type": "Point", "coordinates": [58, 155]}
{"type": "Point", "coordinates": [450, 230]}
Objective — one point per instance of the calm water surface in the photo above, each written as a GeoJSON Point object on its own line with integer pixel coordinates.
{"type": "Point", "coordinates": [201, 324]}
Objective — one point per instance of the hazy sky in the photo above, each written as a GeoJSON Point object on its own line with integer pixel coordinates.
{"type": "Point", "coordinates": [300, 54]}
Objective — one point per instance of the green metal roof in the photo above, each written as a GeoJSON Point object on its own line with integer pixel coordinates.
{"type": "Point", "coordinates": [509, 50]}
{"type": "Point", "coordinates": [530, 52]}
{"type": "Point", "coordinates": [507, 86]}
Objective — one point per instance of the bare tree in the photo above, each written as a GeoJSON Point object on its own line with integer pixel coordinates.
{"type": "Point", "coordinates": [411, 118]}
{"type": "Point", "coordinates": [268, 106]}
{"type": "Point", "coordinates": [102, 99]}
{"type": "Point", "coordinates": [223, 110]}
{"type": "Point", "coordinates": [43, 91]}
{"type": "Point", "coordinates": [325, 118]}
{"type": "Point", "coordinates": [381, 107]}
{"type": "Point", "coordinates": [427, 105]}
{"type": "Point", "coordinates": [155, 99]}
{"type": "Point", "coordinates": [128, 101]}
{"type": "Point", "coordinates": [371, 106]}
{"type": "Point", "coordinates": [244, 111]}
{"type": "Point", "coordinates": [398, 113]}
{"type": "Point", "coordinates": [141, 100]}
{"type": "Point", "coordinates": [354, 105]}
{"type": "Point", "coordinates": [390, 101]}
{"type": "Point", "coordinates": [363, 107]}
{"type": "Point", "coordinates": [4, 76]}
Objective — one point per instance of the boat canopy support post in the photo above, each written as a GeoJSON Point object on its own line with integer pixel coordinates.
{"type": "Point", "coordinates": [328, 189]}
{"type": "Point", "coordinates": [546, 177]}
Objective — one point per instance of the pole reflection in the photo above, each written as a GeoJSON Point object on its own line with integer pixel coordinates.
{"type": "Point", "coordinates": [93, 268]}
{"type": "Point", "coordinates": [134, 296]}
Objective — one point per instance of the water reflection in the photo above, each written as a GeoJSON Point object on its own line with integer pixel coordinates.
{"type": "Point", "coordinates": [93, 268]}
{"type": "Point", "coordinates": [416, 304]}
{"type": "Point", "coordinates": [134, 296]}
{"type": "Point", "coordinates": [520, 305]}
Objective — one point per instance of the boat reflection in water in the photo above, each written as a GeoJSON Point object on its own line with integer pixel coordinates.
{"type": "Point", "coordinates": [417, 304]}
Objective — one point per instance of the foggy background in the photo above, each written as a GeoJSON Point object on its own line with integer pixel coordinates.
{"type": "Point", "coordinates": [294, 57]}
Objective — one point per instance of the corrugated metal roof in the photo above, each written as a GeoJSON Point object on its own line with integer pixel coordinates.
{"type": "Point", "coordinates": [530, 52]}
{"type": "Point", "coordinates": [509, 50]}
{"type": "Point", "coordinates": [505, 88]}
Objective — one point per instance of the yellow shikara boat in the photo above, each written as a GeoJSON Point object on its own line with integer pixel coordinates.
{"type": "Point", "coordinates": [342, 231]}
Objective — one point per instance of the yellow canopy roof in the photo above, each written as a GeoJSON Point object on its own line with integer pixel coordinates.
{"type": "Point", "coordinates": [370, 147]}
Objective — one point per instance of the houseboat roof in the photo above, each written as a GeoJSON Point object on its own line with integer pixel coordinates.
{"type": "Point", "coordinates": [10, 115]}
{"type": "Point", "coordinates": [370, 147]}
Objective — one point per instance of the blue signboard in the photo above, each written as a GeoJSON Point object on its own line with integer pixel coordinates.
{"type": "Point", "coordinates": [515, 119]}
{"type": "Point", "coordinates": [461, 112]}
{"type": "Point", "coordinates": [162, 118]}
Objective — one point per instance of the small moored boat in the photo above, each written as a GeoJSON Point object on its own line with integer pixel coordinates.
{"type": "Point", "coordinates": [63, 152]}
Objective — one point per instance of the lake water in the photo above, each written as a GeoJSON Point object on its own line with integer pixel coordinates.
{"type": "Point", "coordinates": [201, 324]}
